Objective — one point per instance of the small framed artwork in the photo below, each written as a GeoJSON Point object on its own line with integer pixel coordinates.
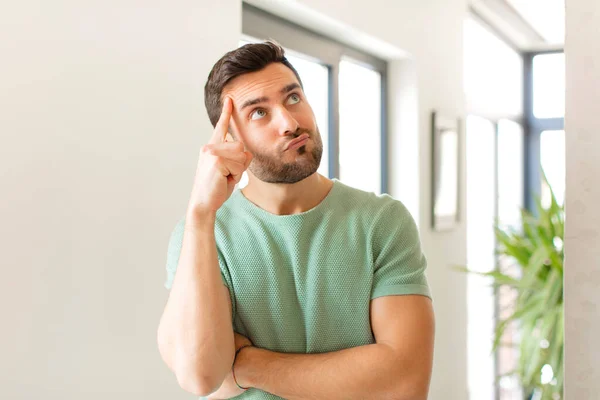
{"type": "Point", "coordinates": [445, 144]}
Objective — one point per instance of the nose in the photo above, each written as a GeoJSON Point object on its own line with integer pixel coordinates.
{"type": "Point", "coordinates": [286, 123]}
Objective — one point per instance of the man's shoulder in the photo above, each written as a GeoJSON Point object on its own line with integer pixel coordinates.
{"type": "Point", "coordinates": [365, 202]}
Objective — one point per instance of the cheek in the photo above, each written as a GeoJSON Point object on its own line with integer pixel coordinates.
{"type": "Point", "coordinates": [305, 117]}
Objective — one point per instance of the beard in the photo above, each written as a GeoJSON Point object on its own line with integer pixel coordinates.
{"type": "Point", "coordinates": [270, 169]}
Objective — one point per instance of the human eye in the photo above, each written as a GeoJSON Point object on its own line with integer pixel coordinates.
{"type": "Point", "coordinates": [294, 99]}
{"type": "Point", "coordinates": [257, 114]}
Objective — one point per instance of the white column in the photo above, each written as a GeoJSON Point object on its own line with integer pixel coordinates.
{"type": "Point", "coordinates": [582, 243]}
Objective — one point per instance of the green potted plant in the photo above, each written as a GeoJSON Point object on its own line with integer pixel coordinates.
{"type": "Point", "coordinates": [535, 251]}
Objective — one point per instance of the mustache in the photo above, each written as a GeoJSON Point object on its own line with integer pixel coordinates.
{"type": "Point", "coordinates": [300, 131]}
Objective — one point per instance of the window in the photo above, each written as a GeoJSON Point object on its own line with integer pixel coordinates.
{"type": "Point", "coordinates": [519, 131]}
{"type": "Point", "coordinates": [481, 182]}
{"type": "Point", "coordinates": [495, 181]}
{"type": "Point", "coordinates": [545, 110]}
{"type": "Point", "coordinates": [510, 201]}
{"type": "Point", "coordinates": [511, 172]}
{"type": "Point", "coordinates": [549, 85]}
{"type": "Point", "coordinates": [493, 78]}
{"type": "Point", "coordinates": [493, 73]}
{"type": "Point", "coordinates": [345, 89]}
{"type": "Point", "coordinates": [552, 157]}
{"type": "Point", "coordinates": [360, 125]}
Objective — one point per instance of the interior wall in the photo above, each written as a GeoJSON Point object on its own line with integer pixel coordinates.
{"type": "Point", "coordinates": [102, 121]}
{"type": "Point", "coordinates": [582, 232]}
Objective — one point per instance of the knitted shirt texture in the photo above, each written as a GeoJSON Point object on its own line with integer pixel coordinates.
{"type": "Point", "coordinates": [303, 283]}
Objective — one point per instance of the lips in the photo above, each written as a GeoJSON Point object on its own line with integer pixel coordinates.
{"type": "Point", "coordinates": [298, 142]}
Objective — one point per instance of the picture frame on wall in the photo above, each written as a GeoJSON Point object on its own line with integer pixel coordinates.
{"type": "Point", "coordinates": [445, 155]}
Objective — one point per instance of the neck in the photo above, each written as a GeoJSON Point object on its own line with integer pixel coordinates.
{"type": "Point", "coordinates": [287, 199]}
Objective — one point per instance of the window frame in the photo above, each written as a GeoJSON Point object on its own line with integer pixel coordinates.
{"type": "Point", "coordinates": [257, 23]}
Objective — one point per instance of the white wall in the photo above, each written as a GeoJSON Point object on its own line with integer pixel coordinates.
{"type": "Point", "coordinates": [582, 233]}
{"type": "Point", "coordinates": [102, 117]}
{"type": "Point", "coordinates": [101, 120]}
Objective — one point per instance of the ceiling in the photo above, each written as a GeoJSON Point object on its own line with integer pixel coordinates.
{"type": "Point", "coordinates": [529, 25]}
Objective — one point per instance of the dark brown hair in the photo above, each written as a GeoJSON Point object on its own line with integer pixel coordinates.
{"type": "Point", "coordinates": [251, 57]}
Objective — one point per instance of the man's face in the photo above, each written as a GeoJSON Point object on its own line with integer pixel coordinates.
{"type": "Point", "coordinates": [272, 118]}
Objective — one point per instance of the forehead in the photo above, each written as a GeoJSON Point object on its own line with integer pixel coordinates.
{"type": "Point", "coordinates": [267, 82]}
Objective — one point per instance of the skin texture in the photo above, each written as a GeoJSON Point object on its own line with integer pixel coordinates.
{"type": "Point", "coordinates": [280, 181]}
{"type": "Point", "coordinates": [267, 127]}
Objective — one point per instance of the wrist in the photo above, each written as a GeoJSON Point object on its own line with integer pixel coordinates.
{"type": "Point", "coordinates": [198, 219]}
{"type": "Point", "coordinates": [242, 366]}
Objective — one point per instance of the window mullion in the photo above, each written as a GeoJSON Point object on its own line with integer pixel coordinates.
{"type": "Point", "coordinates": [384, 148]}
{"type": "Point", "coordinates": [334, 117]}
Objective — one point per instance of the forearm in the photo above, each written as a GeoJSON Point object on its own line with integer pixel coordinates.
{"type": "Point", "coordinates": [196, 330]}
{"type": "Point", "coordinates": [371, 371]}
{"type": "Point", "coordinates": [227, 390]}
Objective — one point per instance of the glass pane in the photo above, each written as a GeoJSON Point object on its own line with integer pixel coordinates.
{"type": "Point", "coordinates": [360, 126]}
{"type": "Point", "coordinates": [547, 17]}
{"type": "Point", "coordinates": [480, 255]}
{"type": "Point", "coordinates": [493, 73]}
{"type": "Point", "coordinates": [549, 85]}
{"type": "Point", "coordinates": [511, 172]}
{"type": "Point", "coordinates": [315, 79]}
{"type": "Point", "coordinates": [552, 158]}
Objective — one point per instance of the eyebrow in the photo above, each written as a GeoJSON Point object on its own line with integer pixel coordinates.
{"type": "Point", "coordinates": [286, 89]}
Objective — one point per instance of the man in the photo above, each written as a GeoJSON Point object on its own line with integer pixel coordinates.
{"type": "Point", "coordinates": [297, 286]}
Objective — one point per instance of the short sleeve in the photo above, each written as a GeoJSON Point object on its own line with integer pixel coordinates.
{"type": "Point", "coordinates": [173, 253]}
{"type": "Point", "coordinates": [399, 263]}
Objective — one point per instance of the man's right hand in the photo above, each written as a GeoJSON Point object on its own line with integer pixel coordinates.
{"type": "Point", "coordinates": [241, 340]}
{"type": "Point", "coordinates": [220, 168]}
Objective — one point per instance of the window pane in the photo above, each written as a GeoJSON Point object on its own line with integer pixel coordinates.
{"type": "Point", "coordinates": [552, 157]}
{"type": "Point", "coordinates": [511, 172]}
{"type": "Point", "coordinates": [480, 255]}
{"type": "Point", "coordinates": [549, 85]}
{"type": "Point", "coordinates": [510, 201]}
{"type": "Point", "coordinates": [360, 126]}
{"type": "Point", "coordinates": [493, 74]}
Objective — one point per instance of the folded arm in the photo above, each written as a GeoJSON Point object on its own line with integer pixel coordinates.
{"type": "Point", "coordinates": [195, 335]}
{"type": "Point", "coordinates": [398, 366]}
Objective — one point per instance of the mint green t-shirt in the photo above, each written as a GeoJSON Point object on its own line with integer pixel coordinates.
{"type": "Point", "coordinates": [303, 283]}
